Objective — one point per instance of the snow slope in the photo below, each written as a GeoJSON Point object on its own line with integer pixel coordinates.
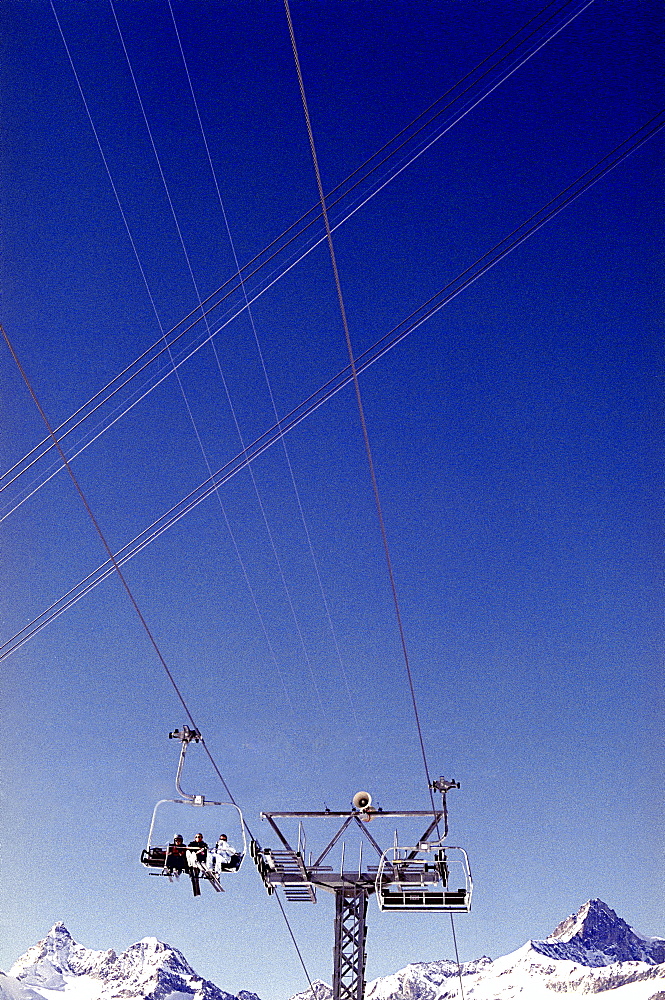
{"type": "Point", "coordinates": [591, 952]}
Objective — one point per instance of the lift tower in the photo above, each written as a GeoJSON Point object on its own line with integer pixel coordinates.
{"type": "Point", "coordinates": [413, 878]}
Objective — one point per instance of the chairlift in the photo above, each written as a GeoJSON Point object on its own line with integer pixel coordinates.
{"type": "Point", "coordinates": [427, 878]}
{"type": "Point", "coordinates": [172, 855]}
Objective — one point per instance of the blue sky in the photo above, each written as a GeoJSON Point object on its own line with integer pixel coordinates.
{"type": "Point", "coordinates": [516, 436]}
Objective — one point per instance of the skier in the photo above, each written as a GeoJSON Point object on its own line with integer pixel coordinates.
{"type": "Point", "coordinates": [224, 856]}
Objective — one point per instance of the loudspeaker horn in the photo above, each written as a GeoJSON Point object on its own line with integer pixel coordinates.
{"type": "Point", "coordinates": [362, 801]}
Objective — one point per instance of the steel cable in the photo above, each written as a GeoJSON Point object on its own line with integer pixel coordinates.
{"type": "Point", "coordinates": [386, 343]}
{"type": "Point", "coordinates": [153, 352]}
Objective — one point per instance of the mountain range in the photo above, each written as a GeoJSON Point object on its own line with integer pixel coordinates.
{"type": "Point", "coordinates": [591, 951]}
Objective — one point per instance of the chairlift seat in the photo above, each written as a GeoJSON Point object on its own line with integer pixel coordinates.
{"type": "Point", "coordinates": [424, 900]}
{"type": "Point", "coordinates": [231, 866]}
{"type": "Point", "coordinates": [153, 857]}
{"type": "Point", "coordinates": [168, 812]}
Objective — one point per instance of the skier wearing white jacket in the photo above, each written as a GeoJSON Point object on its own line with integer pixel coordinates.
{"type": "Point", "coordinates": [224, 855]}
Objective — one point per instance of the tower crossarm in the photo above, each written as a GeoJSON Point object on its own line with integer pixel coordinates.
{"type": "Point", "coordinates": [376, 814]}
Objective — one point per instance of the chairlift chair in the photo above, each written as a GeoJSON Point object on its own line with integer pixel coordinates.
{"type": "Point", "coordinates": [426, 878]}
{"type": "Point", "coordinates": [154, 853]}
{"type": "Point", "coordinates": [213, 816]}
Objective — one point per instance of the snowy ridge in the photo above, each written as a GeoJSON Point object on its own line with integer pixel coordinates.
{"type": "Point", "coordinates": [425, 980]}
{"type": "Point", "coordinates": [592, 951]}
{"type": "Point", "coordinates": [11, 989]}
{"type": "Point", "coordinates": [148, 970]}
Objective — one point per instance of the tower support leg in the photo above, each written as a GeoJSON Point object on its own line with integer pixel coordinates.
{"type": "Point", "coordinates": [349, 951]}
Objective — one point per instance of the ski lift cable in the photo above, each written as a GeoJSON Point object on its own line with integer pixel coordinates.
{"type": "Point", "coordinates": [96, 525]}
{"type": "Point", "coordinates": [161, 328]}
{"type": "Point", "coordinates": [459, 965]}
{"type": "Point", "coordinates": [271, 394]}
{"type": "Point", "coordinates": [146, 354]}
{"type": "Point", "coordinates": [293, 938]}
{"type": "Point", "coordinates": [361, 414]}
{"type": "Point", "coordinates": [363, 423]}
{"type": "Point", "coordinates": [234, 416]}
{"type": "Point", "coordinates": [390, 340]}
{"type": "Point", "coordinates": [358, 395]}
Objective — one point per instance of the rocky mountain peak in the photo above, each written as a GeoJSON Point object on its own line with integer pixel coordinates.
{"type": "Point", "coordinates": [56, 944]}
{"type": "Point", "coordinates": [58, 955]}
{"type": "Point", "coordinates": [593, 921]}
{"type": "Point", "coordinates": [596, 936]}
{"type": "Point", "coordinates": [58, 929]}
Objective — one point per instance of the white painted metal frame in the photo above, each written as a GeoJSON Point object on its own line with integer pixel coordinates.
{"type": "Point", "coordinates": [419, 879]}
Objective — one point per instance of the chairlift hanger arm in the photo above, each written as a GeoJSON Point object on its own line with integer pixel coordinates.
{"type": "Point", "coordinates": [437, 817]}
{"type": "Point", "coordinates": [443, 785]}
{"type": "Point", "coordinates": [185, 737]}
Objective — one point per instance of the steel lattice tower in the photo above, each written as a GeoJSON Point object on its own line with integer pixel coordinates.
{"type": "Point", "coordinates": [349, 950]}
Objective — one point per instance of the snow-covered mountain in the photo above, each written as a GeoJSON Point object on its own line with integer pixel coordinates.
{"type": "Point", "coordinates": [596, 936]}
{"type": "Point", "coordinates": [592, 951]}
{"type": "Point", "coordinates": [58, 968]}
